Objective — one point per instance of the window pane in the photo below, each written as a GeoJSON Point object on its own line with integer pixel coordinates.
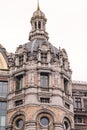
{"type": "Point", "coordinates": [44, 80]}
{"type": "Point", "coordinates": [0, 87]}
{"type": "Point", "coordinates": [19, 82]}
{"type": "Point", "coordinates": [3, 121]}
{"type": "Point", "coordinates": [19, 123]}
{"type": "Point", "coordinates": [2, 128]}
{"type": "Point", "coordinates": [0, 104]}
{"type": "Point", "coordinates": [3, 89]}
{"type": "Point", "coordinates": [44, 121]}
{"type": "Point", "coordinates": [3, 105]}
{"type": "Point", "coordinates": [3, 113]}
{"type": "Point", "coordinates": [78, 103]}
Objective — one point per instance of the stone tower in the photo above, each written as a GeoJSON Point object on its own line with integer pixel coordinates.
{"type": "Point", "coordinates": [40, 85]}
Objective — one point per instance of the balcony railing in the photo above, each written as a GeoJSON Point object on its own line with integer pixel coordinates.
{"type": "Point", "coordinates": [80, 109]}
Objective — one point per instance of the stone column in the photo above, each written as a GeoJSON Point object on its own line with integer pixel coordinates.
{"type": "Point", "coordinates": [50, 84]}
{"type": "Point", "coordinates": [62, 83]}
{"type": "Point", "coordinates": [25, 57]}
{"type": "Point", "coordinates": [48, 57]}
{"type": "Point", "coordinates": [39, 58]}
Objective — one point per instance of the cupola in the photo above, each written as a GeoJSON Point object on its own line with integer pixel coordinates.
{"type": "Point", "coordinates": [38, 22]}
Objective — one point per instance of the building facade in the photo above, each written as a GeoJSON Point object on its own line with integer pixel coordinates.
{"type": "Point", "coordinates": [41, 95]}
{"type": "Point", "coordinates": [79, 92]}
{"type": "Point", "coordinates": [4, 74]}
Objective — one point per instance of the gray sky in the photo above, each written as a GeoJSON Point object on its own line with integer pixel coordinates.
{"type": "Point", "coordinates": [66, 25]}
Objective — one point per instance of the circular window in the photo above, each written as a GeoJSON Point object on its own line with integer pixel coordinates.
{"type": "Point", "coordinates": [19, 123]}
{"type": "Point", "coordinates": [44, 121]}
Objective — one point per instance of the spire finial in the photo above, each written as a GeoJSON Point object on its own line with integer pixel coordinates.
{"type": "Point", "coordinates": [38, 6]}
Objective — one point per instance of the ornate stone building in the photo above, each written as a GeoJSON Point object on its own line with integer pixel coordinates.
{"type": "Point", "coordinates": [40, 86]}
{"type": "Point", "coordinates": [41, 95]}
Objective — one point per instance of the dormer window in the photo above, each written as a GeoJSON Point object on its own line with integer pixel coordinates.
{"type": "Point", "coordinates": [21, 58]}
{"type": "Point", "coordinates": [44, 57]}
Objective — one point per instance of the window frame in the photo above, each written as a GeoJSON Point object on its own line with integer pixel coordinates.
{"type": "Point", "coordinates": [43, 57]}
{"type": "Point", "coordinates": [44, 80]}
{"type": "Point", "coordinates": [21, 60]}
{"type": "Point", "coordinates": [19, 82]}
{"type": "Point", "coordinates": [66, 85]}
{"type": "Point", "coordinates": [3, 116]}
{"type": "Point", "coordinates": [4, 86]}
{"type": "Point", "coordinates": [78, 103]}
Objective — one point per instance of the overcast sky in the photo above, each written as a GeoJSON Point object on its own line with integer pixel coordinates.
{"type": "Point", "coordinates": [66, 25]}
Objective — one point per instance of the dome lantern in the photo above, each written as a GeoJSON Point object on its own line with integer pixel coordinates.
{"type": "Point", "coordinates": [38, 22]}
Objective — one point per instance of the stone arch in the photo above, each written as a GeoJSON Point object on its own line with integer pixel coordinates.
{"type": "Point", "coordinates": [18, 113]}
{"type": "Point", "coordinates": [45, 119]}
{"type": "Point", "coordinates": [45, 111]}
{"type": "Point", "coordinates": [68, 118]}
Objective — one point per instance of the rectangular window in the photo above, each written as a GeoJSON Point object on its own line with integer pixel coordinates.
{"type": "Point", "coordinates": [67, 105]}
{"type": "Point", "coordinates": [79, 120]}
{"type": "Point", "coordinates": [19, 82]}
{"type": "Point", "coordinates": [3, 89]}
{"type": "Point", "coordinates": [44, 80]}
{"type": "Point", "coordinates": [21, 58]}
{"type": "Point", "coordinates": [44, 57]}
{"type": "Point", "coordinates": [78, 103]}
{"type": "Point", "coordinates": [45, 100]}
{"type": "Point", "coordinates": [19, 102]}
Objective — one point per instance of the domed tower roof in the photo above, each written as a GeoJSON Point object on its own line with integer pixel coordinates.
{"type": "Point", "coordinates": [38, 13]}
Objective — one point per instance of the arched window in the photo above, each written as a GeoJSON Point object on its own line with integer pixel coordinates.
{"type": "Point", "coordinates": [35, 25]}
{"type": "Point", "coordinates": [39, 25]}
{"type": "Point", "coordinates": [18, 123]}
{"type": "Point", "coordinates": [66, 124]}
{"type": "Point", "coordinates": [45, 121]}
